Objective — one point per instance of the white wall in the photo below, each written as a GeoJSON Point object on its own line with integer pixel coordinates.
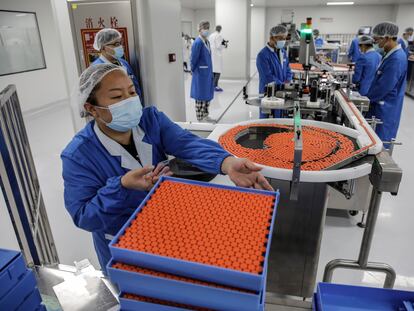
{"type": "Point", "coordinates": [41, 87]}
{"type": "Point", "coordinates": [159, 24]}
{"type": "Point", "coordinates": [405, 16]}
{"type": "Point", "coordinates": [346, 19]}
{"type": "Point", "coordinates": [188, 15]}
{"type": "Point", "coordinates": [257, 31]}
{"type": "Point", "coordinates": [205, 14]}
{"type": "Point", "coordinates": [234, 16]}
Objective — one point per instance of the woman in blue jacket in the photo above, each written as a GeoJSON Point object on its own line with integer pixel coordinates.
{"type": "Point", "coordinates": [388, 88]}
{"type": "Point", "coordinates": [272, 63]}
{"type": "Point", "coordinates": [202, 83]}
{"type": "Point", "coordinates": [108, 42]}
{"type": "Point", "coordinates": [366, 65]}
{"type": "Point", "coordinates": [108, 167]}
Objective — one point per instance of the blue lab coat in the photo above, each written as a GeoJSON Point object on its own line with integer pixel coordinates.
{"type": "Point", "coordinates": [354, 53]}
{"type": "Point", "coordinates": [319, 42]}
{"type": "Point", "coordinates": [272, 70]}
{"type": "Point", "coordinates": [128, 68]}
{"type": "Point", "coordinates": [387, 93]}
{"type": "Point", "coordinates": [365, 69]}
{"type": "Point", "coordinates": [93, 165]}
{"type": "Point", "coordinates": [202, 83]}
{"type": "Point", "coordinates": [403, 46]}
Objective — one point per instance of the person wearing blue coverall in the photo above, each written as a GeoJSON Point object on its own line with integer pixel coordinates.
{"type": "Point", "coordinates": [354, 53]}
{"type": "Point", "coordinates": [108, 167]}
{"type": "Point", "coordinates": [318, 40]}
{"type": "Point", "coordinates": [387, 90]}
{"type": "Point", "coordinates": [202, 83]}
{"type": "Point", "coordinates": [403, 44]}
{"type": "Point", "coordinates": [366, 66]}
{"type": "Point", "coordinates": [272, 64]}
{"type": "Point", "coordinates": [108, 42]}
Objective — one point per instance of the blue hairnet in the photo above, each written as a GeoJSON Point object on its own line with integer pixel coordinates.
{"type": "Point", "coordinates": [365, 39]}
{"type": "Point", "coordinates": [278, 30]}
{"type": "Point", "coordinates": [385, 29]}
{"type": "Point", "coordinates": [104, 37]}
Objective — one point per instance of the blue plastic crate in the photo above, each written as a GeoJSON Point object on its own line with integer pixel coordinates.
{"type": "Point", "coordinates": [335, 297]}
{"type": "Point", "coordinates": [19, 293]}
{"type": "Point", "coordinates": [32, 302]}
{"type": "Point", "coordinates": [12, 269]}
{"type": "Point", "coordinates": [213, 274]}
{"type": "Point", "coordinates": [315, 303]}
{"type": "Point", "coordinates": [134, 305]}
{"type": "Point", "coordinates": [185, 292]}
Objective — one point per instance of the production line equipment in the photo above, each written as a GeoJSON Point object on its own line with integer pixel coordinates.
{"type": "Point", "coordinates": [304, 158]}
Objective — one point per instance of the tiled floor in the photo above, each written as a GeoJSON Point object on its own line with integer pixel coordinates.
{"type": "Point", "coordinates": [49, 133]}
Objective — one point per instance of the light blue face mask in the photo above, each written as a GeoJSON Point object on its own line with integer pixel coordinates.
{"type": "Point", "coordinates": [280, 44]}
{"type": "Point", "coordinates": [378, 49]}
{"type": "Point", "coordinates": [126, 114]}
{"type": "Point", "coordinates": [119, 51]}
{"type": "Point", "coordinates": [205, 33]}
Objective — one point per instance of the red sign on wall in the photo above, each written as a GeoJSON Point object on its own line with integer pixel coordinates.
{"type": "Point", "coordinates": [88, 37]}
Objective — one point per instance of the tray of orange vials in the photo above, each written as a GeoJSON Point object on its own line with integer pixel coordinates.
{"type": "Point", "coordinates": [167, 287]}
{"type": "Point", "coordinates": [212, 233]}
{"type": "Point", "coordinates": [131, 302]}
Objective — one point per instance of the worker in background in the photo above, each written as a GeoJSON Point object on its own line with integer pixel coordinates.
{"type": "Point", "coordinates": [272, 63]}
{"type": "Point", "coordinates": [186, 52]}
{"type": "Point", "coordinates": [217, 45]}
{"type": "Point", "coordinates": [387, 90]}
{"type": "Point", "coordinates": [353, 52]}
{"type": "Point", "coordinates": [404, 43]}
{"type": "Point", "coordinates": [202, 83]}
{"type": "Point", "coordinates": [318, 40]}
{"type": "Point", "coordinates": [108, 42]}
{"type": "Point", "coordinates": [111, 164]}
{"type": "Point", "coordinates": [410, 32]}
{"type": "Point", "coordinates": [366, 65]}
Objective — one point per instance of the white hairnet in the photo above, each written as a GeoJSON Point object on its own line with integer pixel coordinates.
{"type": "Point", "coordinates": [278, 30]}
{"type": "Point", "coordinates": [203, 25]}
{"type": "Point", "coordinates": [104, 37]}
{"type": "Point", "coordinates": [409, 29]}
{"type": "Point", "coordinates": [316, 32]}
{"type": "Point", "coordinates": [385, 29]}
{"type": "Point", "coordinates": [88, 80]}
{"type": "Point", "coordinates": [365, 39]}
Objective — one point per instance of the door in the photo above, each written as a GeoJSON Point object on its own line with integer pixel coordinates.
{"type": "Point", "coordinates": [187, 28]}
{"type": "Point", "coordinates": [88, 17]}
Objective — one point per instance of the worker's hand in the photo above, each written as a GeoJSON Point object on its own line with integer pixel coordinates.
{"type": "Point", "coordinates": [144, 178]}
{"type": "Point", "coordinates": [245, 173]}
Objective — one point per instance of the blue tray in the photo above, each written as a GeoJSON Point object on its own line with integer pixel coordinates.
{"type": "Point", "coordinates": [12, 269]}
{"type": "Point", "coordinates": [335, 297]}
{"type": "Point", "coordinates": [19, 293]}
{"type": "Point", "coordinates": [133, 305]}
{"type": "Point", "coordinates": [33, 302]}
{"type": "Point", "coordinates": [213, 274]}
{"type": "Point", "coordinates": [184, 292]}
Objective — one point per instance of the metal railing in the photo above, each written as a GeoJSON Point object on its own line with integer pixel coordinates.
{"type": "Point", "coordinates": [20, 185]}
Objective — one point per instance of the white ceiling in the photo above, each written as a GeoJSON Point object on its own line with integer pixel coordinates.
{"type": "Point", "coordinates": [209, 4]}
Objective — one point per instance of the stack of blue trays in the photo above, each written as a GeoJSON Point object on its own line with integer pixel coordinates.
{"type": "Point", "coordinates": [335, 297]}
{"type": "Point", "coordinates": [18, 288]}
{"type": "Point", "coordinates": [168, 284]}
